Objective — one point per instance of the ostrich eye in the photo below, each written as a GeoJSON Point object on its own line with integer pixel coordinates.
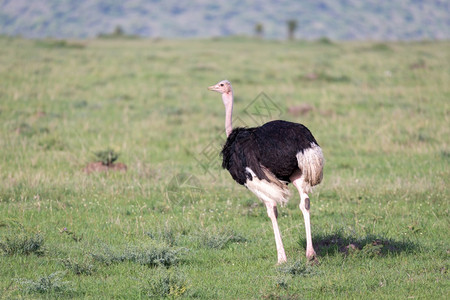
{"type": "Point", "coordinates": [221, 84]}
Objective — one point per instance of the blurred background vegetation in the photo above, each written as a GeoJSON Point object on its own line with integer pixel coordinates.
{"type": "Point", "coordinates": [335, 19]}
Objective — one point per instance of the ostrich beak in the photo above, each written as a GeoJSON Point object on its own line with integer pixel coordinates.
{"type": "Point", "coordinates": [212, 87]}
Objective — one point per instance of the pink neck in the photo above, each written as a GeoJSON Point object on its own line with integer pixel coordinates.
{"type": "Point", "coordinates": [227, 99]}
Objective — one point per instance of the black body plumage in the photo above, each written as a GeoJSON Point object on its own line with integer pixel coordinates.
{"type": "Point", "coordinates": [273, 145]}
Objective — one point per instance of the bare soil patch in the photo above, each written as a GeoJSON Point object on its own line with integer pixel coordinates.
{"type": "Point", "coordinates": [100, 167]}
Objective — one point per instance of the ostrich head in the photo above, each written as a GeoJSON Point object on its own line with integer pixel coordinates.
{"type": "Point", "coordinates": [223, 87]}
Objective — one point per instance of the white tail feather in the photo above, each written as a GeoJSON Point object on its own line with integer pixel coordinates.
{"type": "Point", "coordinates": [268, 191]}
{"type": "Point", "coordinates": [311, 162]}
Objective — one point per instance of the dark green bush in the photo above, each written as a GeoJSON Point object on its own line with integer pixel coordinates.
{"type": "Point", "coordinates": [107, 157]}
{"type": "Point", "coordinates": [22, 243]}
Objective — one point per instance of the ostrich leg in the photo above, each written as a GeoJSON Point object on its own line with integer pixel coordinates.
{"type": "Point", "coordinates": [273, 215]}
{"type": "Point", "coordinates": [304, 207]}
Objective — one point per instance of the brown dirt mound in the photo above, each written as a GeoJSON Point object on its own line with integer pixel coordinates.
{"type": "Point", "coordinates": [99, 167]}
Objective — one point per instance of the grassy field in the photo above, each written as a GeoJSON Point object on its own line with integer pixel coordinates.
{"type": "Point", "coordinates": [175, 224]}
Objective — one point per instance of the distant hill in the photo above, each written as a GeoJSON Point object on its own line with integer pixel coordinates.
{"type": "Point", "coordinates": [335, 19]}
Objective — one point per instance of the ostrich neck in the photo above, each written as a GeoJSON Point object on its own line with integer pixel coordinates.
{"type": "Point", "coordinates": [228, 102]}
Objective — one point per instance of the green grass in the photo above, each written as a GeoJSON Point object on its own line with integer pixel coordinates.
{"type": "Point", "coordinates": [175, 224]}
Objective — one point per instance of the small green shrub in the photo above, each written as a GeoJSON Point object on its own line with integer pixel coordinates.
{"type": "Point", "coordinates": [22, 243]}
{"type": "Point", "coordinates": [324, 41]}
{"type": "Point", "coordinates": [153, 256]}
{"type": "Point", "coordinates": [107, 157]}
{"type": "Point", "coordinates": [84, 267]}
{"type": "Point", "coordinates": [380, 47]}
{"type": "Point", "coordinates": [166, 283]}
{"type": "Point", "coordinates": [107, 255]}
{"type": "Point", "coordinates": [297, 268]}
{"type": "Point", "coordinates": [51, 43]}
{"type": "Point", "coordinates": [50, 283]}
{"type": "Point", "coordinates": [148, 255]}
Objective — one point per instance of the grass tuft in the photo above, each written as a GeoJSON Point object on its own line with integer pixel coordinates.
{"type": "Point", "coordinates": [166, 235]}
{"type": "Point", "coordinates": [220, 239]}
{"type": "Point", "coordinates": [166, 283]}
{"type": "Point", "coordinates": [282, 281]}
{"type": "Point", "coordinates": [148, 255]}
{"type": "Point", "coordinates": [297, 268]}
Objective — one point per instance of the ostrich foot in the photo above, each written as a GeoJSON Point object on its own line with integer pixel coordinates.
{"type": "Point", "coordinates": [311, 256]}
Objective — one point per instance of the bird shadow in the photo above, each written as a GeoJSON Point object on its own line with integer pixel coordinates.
{"type": "Point", "coordinates": [367, 246]}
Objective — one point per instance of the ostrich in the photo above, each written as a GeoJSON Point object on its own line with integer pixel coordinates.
{"type": "Point", "coordinates": [265, 159]}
